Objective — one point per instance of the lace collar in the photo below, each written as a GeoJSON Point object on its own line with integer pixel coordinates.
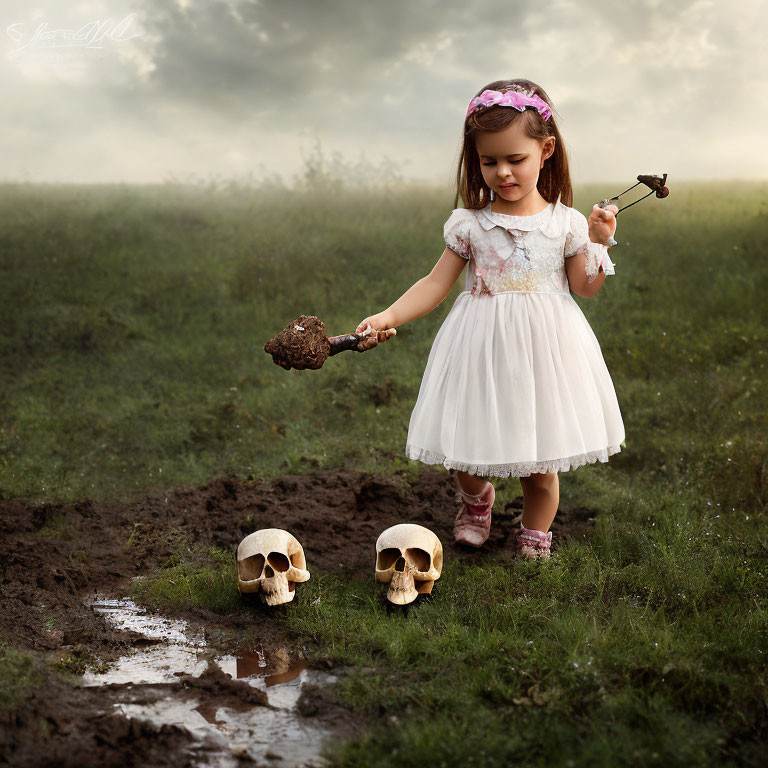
{"type": "Point", "coordinates": [549, 220]}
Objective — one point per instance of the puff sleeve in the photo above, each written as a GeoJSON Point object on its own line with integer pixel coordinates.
{"type": "Point", "coordinates": [577, 241]}
{"type": "Point", "coordinates": [456, 233]}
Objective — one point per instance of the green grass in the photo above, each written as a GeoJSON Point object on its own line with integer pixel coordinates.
{"type": "Point", "coordinates": [645, 644]}
{"type": "Point", "coordinates": [55, 526]}
{"type": "Point", "coordinates": [19, 677]}
{"type": "Point", "coordinates": [134, 324]}
{"type": "Point", "coordinates": [193, 579]}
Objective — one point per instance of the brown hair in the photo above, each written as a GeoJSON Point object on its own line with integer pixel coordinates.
{"type": "Point", "coordinates": [554, 178]}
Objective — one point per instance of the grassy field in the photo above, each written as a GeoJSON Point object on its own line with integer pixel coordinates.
{"type": "Point", "coordinates": [643, 646]}
{"type": "Point", "coordinates": [132, 360]}
{"type": "Point", "coordinates": [134, 322]}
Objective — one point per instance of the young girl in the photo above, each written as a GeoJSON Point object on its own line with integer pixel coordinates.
{"type": "Point", "coordinates": [515, 383]}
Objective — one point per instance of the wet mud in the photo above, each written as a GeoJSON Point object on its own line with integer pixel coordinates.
{"type": "Point", "coordinates": [236, 708]}
{"type": "Point", "coordinates": [57, 561]}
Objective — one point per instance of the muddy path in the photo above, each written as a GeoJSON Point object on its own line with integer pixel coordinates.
{"type": "Point", "coordinates": [54, 557]}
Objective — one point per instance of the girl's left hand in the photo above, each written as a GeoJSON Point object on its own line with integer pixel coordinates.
{"type": "Point", "coordinates": [602, 223]}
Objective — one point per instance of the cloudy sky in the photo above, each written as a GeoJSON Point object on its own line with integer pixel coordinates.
{"type": "Point", "coordinates": [142, 90]}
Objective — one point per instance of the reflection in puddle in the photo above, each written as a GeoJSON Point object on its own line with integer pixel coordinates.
{"type": "Point", "coordinates": [176, 652]}
{"type": "Point", "coordinates": [285, 677]}
{"type": "Point", "coordinates": [248, 664]}
{"type": "Point", "coordinates": [222, 732]}
{"type": "Point", "coordinates": [125, 614]}
{"type": "Point", "coordinates": [147, 666]}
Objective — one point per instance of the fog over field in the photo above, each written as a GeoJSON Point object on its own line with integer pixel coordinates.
{"type": "Point", "coordinates": [140, 90]}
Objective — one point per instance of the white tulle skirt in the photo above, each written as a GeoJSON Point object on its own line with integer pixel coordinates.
{"type": "Point", "coordinates": [515, 384]}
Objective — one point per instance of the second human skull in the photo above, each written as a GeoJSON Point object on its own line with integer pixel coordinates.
{"type": "Point", "coordinates": [409, 558]}
{"type": "Point", "coordinates": [271, 561]}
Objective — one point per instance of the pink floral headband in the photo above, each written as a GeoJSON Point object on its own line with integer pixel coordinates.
{"type": "Point", "coordinates": [514, 99]}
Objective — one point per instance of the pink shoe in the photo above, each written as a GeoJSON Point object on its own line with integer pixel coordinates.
{"type": "Point", "coordinates": [473, 523]}
{"type": "Point", "coordinates": [532, 544]}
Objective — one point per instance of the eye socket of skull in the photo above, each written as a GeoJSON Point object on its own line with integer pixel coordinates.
{"type": "Point", "coordinates": [387, 558]}
{"type": "Point", "coordinates": [251, 567]}
{"type": "Point", "coordinates": [418, 558]}
{"type": "Point", "coordinates": [392, 556]}
{"type": "Point", "coordinates": [279, 562]}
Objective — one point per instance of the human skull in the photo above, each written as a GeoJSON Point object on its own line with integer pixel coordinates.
{"type": "Point", "coordinates": [271, 561]}
{"type": "Point", "coordinates": [409, 558]}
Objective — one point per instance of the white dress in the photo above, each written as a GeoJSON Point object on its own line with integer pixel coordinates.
{"type": "Point", "coordinates": [515, 382]}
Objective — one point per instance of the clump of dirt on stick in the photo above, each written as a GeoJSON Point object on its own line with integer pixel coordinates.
{"type": "Point", "coordinates": [301, 344]}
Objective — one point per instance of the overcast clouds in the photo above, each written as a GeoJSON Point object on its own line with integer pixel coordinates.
{"type": "Point", "coordinates": [230, 87]}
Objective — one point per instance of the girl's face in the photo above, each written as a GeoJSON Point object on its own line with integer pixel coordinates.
{"type": "Point", "coordinates": [511, 160]}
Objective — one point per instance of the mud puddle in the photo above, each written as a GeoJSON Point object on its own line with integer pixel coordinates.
{"type": "Point", "coordinates": [175, 679]}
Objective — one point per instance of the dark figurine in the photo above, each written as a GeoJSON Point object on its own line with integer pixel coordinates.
{"type": "Point", "coordinates": [656, 185]}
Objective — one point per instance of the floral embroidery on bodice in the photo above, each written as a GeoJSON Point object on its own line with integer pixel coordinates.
{"type": "Point", "coordinates": [522, 253]}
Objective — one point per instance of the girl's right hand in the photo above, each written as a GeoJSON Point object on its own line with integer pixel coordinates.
{"type": "Point", "coordinates": [602, 223]}
{"type": "Point", "coordinates": [380, 322]}
{"type": "Point", "coordinates": [376, 329]}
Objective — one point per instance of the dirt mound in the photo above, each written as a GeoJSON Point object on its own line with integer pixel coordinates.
{"type": "Point", "coordinates": [77, 727]}
{"type": "Point", "coordinates": [226, 691]}
{"type": "Point", "coordinates": [70, 727]}
{"type": "Point", "coordinates": [53, 555]}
